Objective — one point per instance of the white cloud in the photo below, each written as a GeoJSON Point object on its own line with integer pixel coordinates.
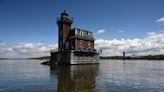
{"type": "Point", "coordinates": [160, 20]}
{"type": "Point", "coordinates": [24, 50]}
{"type": "Point", "coordinates": [101, 31]}
{"type": "Point", "coordinates": [121, 31]}
{"type": "Point", "coordinates": [152, 44]}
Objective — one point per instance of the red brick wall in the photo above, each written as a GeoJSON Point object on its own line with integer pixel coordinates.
{"type": "Point", "coordinates": [66, 30]}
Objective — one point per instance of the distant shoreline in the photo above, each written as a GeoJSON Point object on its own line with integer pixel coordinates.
{"type": "Point", "coordinates": [148, 57]}
{"type": "Point", "coordinates": [14, 58]}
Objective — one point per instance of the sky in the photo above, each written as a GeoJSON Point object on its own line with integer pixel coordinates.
{"type": "Point", "coordinates": [28, 27]}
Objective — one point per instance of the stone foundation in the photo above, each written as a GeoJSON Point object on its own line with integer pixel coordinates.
{"type": "Point", "coordinates": [74, 57]}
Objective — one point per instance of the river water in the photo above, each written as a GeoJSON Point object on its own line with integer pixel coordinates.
{"type": "Point", "coordinates": [108, 76]}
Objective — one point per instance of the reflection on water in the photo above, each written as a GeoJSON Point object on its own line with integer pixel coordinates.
{"type": "Point", "coordinates": [75, 78]}
{"type": "Point", "coordinates": [108, 76]}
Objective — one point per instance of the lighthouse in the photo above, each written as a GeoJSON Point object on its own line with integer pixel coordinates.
{"type": "Point", "coordinates": [75, 45]}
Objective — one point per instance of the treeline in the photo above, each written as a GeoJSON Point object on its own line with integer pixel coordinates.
{"type": "Point", "coordinates": [148, 57]}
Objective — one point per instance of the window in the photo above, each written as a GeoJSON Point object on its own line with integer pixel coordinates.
{"type": "Point", "coordinates": [60, 33]}
{"type": "Point", "coordinates": [75, 31]}
{"type": "Point", "coordinates": [67, 45]}
{"type": "Point", "coordinates": [81, 43]}
{"type": "Point", "coordinates": [85, 33]}
{"type": "Point", "coordinates": [91, 35]}
{"type": "Point", "coordinates": [88, 34]}
{"type": "Point", "coordinates": [89, 44]}
{"type": "Point", "coordinates": [72, 44]}
{"type": "Point", "coordinates": [81, 33]}
{"type": "Point", "coordinates": [78, 32]}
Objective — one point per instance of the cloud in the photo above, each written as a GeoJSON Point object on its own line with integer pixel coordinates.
{"type": "Point", "coordinates": [121, 31]}
{"type": "Point", "coordinates": [152, 44]}
{"type": "Point", "coordinates": [101, 31]}
{"type": "Point", "coordinates": [24, 50]}
{"type": "Point", "coordinates": [160, 20]}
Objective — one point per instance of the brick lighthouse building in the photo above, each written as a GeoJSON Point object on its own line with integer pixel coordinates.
{"type": "Point", "coordinates": [75, 46]}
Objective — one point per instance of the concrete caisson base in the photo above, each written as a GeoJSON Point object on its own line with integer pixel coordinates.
{"type": "Point", "coordinates": [74, 57]}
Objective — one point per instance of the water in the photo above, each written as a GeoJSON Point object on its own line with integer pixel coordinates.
{"type": "Point", "coordinates": [109, 76]}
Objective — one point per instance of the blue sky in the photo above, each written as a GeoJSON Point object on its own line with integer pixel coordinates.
{"type": "Point", "coordinates": [33, 21]}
